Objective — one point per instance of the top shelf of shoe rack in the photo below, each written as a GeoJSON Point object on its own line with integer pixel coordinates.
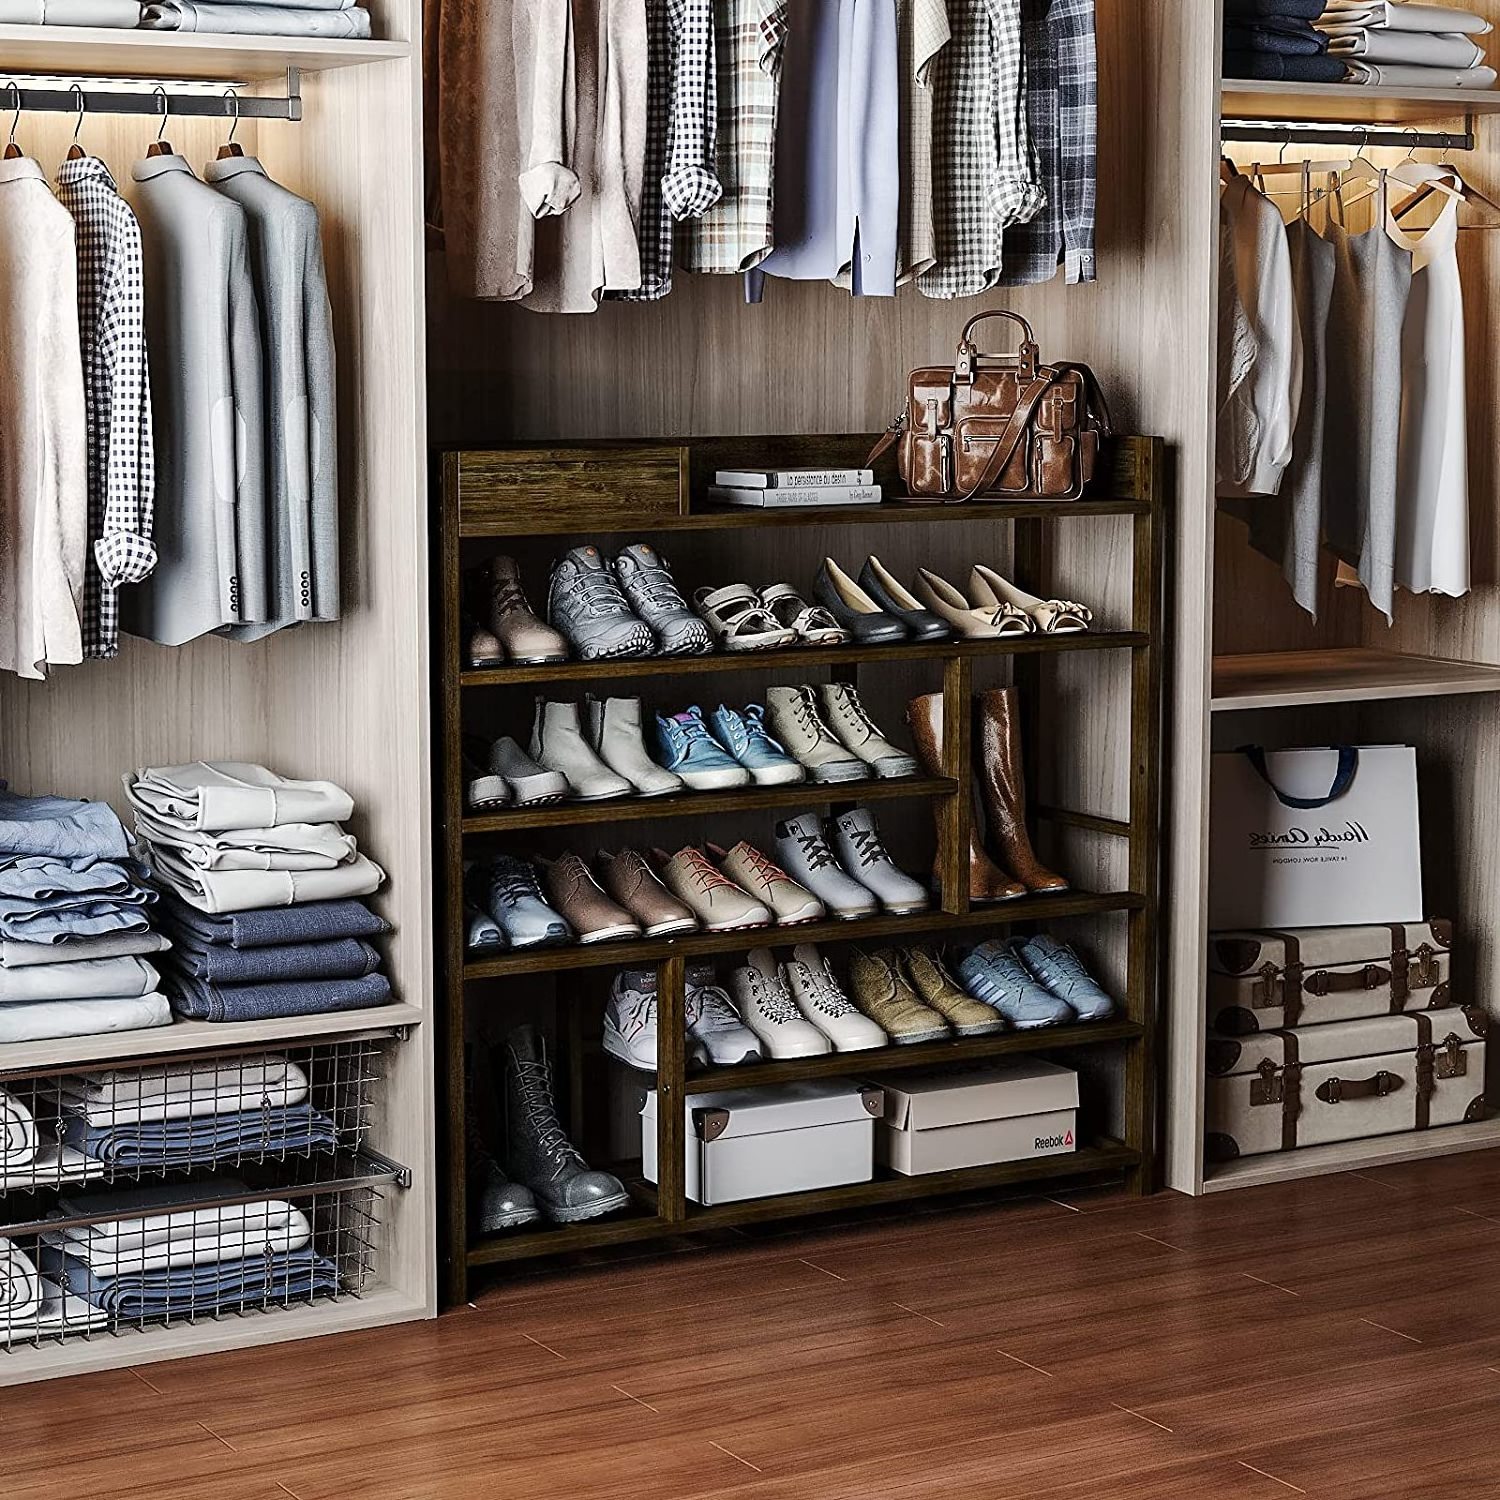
{"type": "Point", "coordinates": [609, 488]}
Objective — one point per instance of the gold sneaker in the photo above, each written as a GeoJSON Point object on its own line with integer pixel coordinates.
{"type": "Point", "coordinates": [880, 990]}
{"type": "Point", "coordinates": [940, 990]}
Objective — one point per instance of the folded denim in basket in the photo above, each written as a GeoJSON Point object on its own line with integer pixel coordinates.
{"type": "Point", "coordinates": [203, 1139]}
{"type": "Point", "coordinates": [308, 922]}
{"type": "Point", "coordinates": [343, 958]}
{"type": "Point", "coordinates": [228, 1286]}
{"type": "Point", "coordinates": [179, 1090]}
{"type": "Point", "coordinates": [195, 1000]}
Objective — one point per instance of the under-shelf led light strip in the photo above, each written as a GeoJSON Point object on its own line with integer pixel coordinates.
{"type": "Point", "coordinates": [215, 98]}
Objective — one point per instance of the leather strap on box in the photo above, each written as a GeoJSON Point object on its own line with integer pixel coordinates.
{"type": "Point", "coordinates": [1426, 1077]}
{"type": "Point", "coordinates": [1400, 968]}
{"type": "Point", "coordinates": [1291, 980]}
{"type": "Point", "coordinates": [1281, 1086]}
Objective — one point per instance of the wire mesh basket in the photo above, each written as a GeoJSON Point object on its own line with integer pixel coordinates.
{"type": "Point", "coordinates": [226, 1108]}
{"type": "Point", "coordinates": [117, 1261]}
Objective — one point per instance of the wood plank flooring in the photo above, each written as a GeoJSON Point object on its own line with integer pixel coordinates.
{"type": "Point", "coordinates": [1336, 1337]}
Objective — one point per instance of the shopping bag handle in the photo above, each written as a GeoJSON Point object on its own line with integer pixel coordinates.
{"type": "Point", "coordinates": [1343, 778]}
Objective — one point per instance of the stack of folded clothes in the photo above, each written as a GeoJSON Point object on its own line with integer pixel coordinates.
{"type": "Point", "coordinates": [75, 924]}
{"type": "Point", "coordinates": [1276, 40]}
{"type": "Point", "coordinates": [318, 18]}
{"type": "Point", "coordinates": [259, 888]}
{"type": "Point", "coordinates": [31, 1153]}
{"type": "Point", "coordinates": [1407, 45]}
{"type": "Point", "coordinates": [168, 1258]}
{"type": "Point", "coordinates": [33, 1306]}
{"type": "Point", "coordinates": [111, 13]}
{"type": "Point", "coordinates": [194, 1113]}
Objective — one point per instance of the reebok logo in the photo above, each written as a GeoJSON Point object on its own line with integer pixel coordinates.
{"type": "Point", "coordinates": [1053, 1142]}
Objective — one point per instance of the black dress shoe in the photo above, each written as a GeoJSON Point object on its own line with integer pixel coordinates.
{"type": "Point", "coordinates": [887, 591]}
{"type": "Point", "coordinates": [866, 622]}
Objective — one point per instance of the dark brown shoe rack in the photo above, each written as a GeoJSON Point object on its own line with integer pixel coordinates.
{"type": "Point", "coordinates": [531, 499]}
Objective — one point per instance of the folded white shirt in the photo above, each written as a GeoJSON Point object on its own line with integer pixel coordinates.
{"type": "Point", "coordinates": [289, 846]}
{"type": "Point", "coordinates": [114, 13]}
{"type": "Point", "coordinates": [20, 1287]}
{"type": "Point", "coordinates": [1397, 76]}
{"type": "Point", "coordinates": [53, 1166]}
{"type": "Point", "coordinates": [111, 945]}
{"type": "Point", "coordinates": [185, 1236]}
{"type": "Point", "coordinates": [1422, 49]}
{"type": "Point", "coordinates": [48, 1019]}
{"type": "Point", "coordinates": [94, 979]}
{"type": "Point", "coordinates": [18, 1137]}
{"type": "Point", "coordinates": [1397, 15]}
{"type": "Point", "coordinates": [234, 794]}
{"type": "Point", "coordinates": [222, 891]}
{"type": "Point", "coordinates": [184, 1090]}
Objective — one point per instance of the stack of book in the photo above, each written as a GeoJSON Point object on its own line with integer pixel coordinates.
{"type": "Point", "coordinates": [799, 488]}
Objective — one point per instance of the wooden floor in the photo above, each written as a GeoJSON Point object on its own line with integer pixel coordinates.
{"type": "Point", "coordinates": [1338, 1337]}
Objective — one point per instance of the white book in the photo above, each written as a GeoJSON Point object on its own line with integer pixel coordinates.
{"type": "Point", "coordinates": [793, 479]}
{"type": "Point", "coordinates": [834, 494]}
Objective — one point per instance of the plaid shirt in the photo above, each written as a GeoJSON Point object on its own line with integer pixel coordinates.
{"type": "Point", "coordinates": [923, 31]}
{"type": "Point", "coordinates": [737, 233]}
{"type": "Point", "coordinates": [117, 396]}
{"type": "Point", "coordinates": [1062, 77]}
{"type": "Point", "coordinates": [681, 119]}
{"type": "Point", "coordinates": [985, 172]}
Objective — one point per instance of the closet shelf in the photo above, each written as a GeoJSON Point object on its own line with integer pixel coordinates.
{"type": "Point", "coordinates": [96, 52]}
{"type": "Point", "coordinates": [1252, 99]}
{"type": "Point", "coordinates": [923, 1055]}
{"type": "Point", "coordinates": [189, 1036]}
{"type": "Point", "coordinates": [700, 944]}
{"type": "Point", "coordinates": [1291, 679]}
{"type": "Point", "coordinates": [793, 658]}
{"type": "Point", "coordinates": [707, 804]}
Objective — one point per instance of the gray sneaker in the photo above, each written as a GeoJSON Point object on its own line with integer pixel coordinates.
{"type": "Point", "coordinates": [802, 851]}
{"type": "Point", "coordinates": [856, 840]}
{"type": "Point", "coordinates": [993, 972]}
{"type": "Point", "coordinates": [585, 603]}
{"type": "Point", "coordinates": [651, 592]}
{"type": "Point", "coordinates": [511, 894]}
{"type": "Point", "coordinates": [540, 1153]}
{"type": "Point", "coordinates": [1059, 968]}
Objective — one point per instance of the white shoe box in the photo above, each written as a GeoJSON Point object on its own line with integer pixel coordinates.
{"type": "Point", "coordinates": [1010, 1111]}
{"type": "Point", "coordinates": [788, 1138]}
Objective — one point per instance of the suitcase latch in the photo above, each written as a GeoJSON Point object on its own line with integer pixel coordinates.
{"type": "Point", "coordinates": [1424, 971]}
{"type": "Point", "coordinates": [1266, 986]}
{"type": "Point", "coordinates": [1452, 1060]}
{"type": "Point", "coordinates": [1269, 1087]}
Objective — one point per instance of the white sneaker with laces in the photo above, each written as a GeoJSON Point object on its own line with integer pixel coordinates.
{"type": "Point", "coordinates": [820, 999]}
{"type": "Point", "coordinates": [770, 1012]}
{"type": "Point", "coordinates": [717, 1037]}
{"type": "Point", "coordinates": [630, 1019]}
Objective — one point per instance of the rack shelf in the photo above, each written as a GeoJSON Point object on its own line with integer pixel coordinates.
{"type": "Point", "coordinates": [708, 944]}
{"type": "Point", "coordinates": [1356, 104]}
{"type": "Point", "coordinates": [96, 52]}
{"type": "Point", "coordinates": [879, 1061]}
{"type": "Point", "coordinates": [1291, 679]}
{"type": "Point", "coordinates": [694, 804]}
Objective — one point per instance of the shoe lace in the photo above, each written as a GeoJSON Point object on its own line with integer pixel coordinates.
{"type": "Point", "coordinates": [507, 595]}
{"type": "Point", "coordinates": [598, 593]}
{"type": "Point", "coordinates": [853, 712]}
{"type": "Point", "coordinates": [814, 849]}
{"type": "Point", "coordinates": [535, 1080]}
{"type": "Point", "coordinates": [706, 875]}
{"type": "Point", "coordinates": [694, 730]}
{"type": "Point", "coordinates": [867, 846]}
{"type": "Point", "coordinates": [773, 1000]}
{"type": "Point", "coordinates": [766, 869]}
{"type": "Point", "coordinates": [756, 732]}
{"type": "Point", "coordinates": [808, 720]}
{"type": "Point", "coordinates": [1060, 969]}
{"type": "Point", "coordinates": [640, 1013]}
{"type": "Point", "coordinates": [710, 1008]}
{"type": "Point", "coordinates": [514, 886]}
{"type": "Point", "coordinates": [821, 989]}
{"type": "Point", "coordinates": [655, 585]}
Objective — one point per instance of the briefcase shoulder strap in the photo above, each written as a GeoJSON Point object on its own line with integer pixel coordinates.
{"type": "Point", "coordinates": [1010, 439]}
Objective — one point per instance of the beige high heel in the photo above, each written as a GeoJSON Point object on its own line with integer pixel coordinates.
{"type": "Point", "coordinates": [1051, 616]}
{"type": "Point", "coordinates": [975, 622]}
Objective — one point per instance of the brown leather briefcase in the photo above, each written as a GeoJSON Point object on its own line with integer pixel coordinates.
{"type": "Point", "coordinates": [998, 427]}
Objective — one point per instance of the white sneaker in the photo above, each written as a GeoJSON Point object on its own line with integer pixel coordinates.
{"type": "Point", "coordinates": [820, 999]}
{"type": "Point", "coordinates": [717, 1037]}
{"type": "Point", "coordinates": [770, 1012]}
{"type": "Point", "coordinates": [630, 1019]}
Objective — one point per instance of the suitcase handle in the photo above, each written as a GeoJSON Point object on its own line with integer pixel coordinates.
{"type": "Point", "coordinates": [1343, 777]}
{"type": "Point", "coordinates": [1371, 977]}
{"type": "Point", "coordinates": [1337, 1090]}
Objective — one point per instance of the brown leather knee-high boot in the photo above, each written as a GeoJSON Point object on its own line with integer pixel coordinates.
{"type": "Point", "coordinates": [1002, 785]}
{"type": "Point", "coordinates": [987, 881]}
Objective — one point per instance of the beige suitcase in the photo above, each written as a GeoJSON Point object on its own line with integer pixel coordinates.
{"type": "Point", "coordinates": [1259, 981]}
{"type": "Point", "coordinates": [1279, 1090]}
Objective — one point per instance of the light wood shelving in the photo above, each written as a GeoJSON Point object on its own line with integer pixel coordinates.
{"type": "Point", "coordinates": [1353, 104]}
{"type": "Point", "coordinates": [1356, 674]}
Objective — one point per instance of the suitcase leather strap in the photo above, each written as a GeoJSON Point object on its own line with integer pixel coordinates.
{"type": "Point", "coordinates": [1288, 979]}
{"type": "Point", "coordinates": [1327, 982]}
{"type": "Point", "coordinates": [1376, 1086]}
{"type": "Point", "coordinates": [1283, 1086]}
{"type": "Point", "coordinates": [1426, 1079]}
{"type": "Point", "coordinates": [1401, 975]}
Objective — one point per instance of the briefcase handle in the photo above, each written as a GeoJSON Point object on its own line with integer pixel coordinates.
{"type": "Point", "coordinates": [1336, 1090]}
{"type": "Point", "coordinates": [1026, 357]}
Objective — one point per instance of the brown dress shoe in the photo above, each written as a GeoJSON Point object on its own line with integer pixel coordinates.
{"type": "Point", "coordinates": [633, 883]}
{"type": "Point", "coordinates": [987, 881]}
{"type": "Point", "coordinates": [588, 911]}
{"type": "Point", "coordinates": [1003, 788]}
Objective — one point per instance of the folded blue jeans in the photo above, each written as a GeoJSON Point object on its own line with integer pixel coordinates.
{"type": "Point", "coordinates": [1302, 10]}
{"type": "Point", "coordinates": [1278, 69]}
{"type": "Point", "coordinates": [309, 922]}
{"type": "Point", "coordinates": [61, 826]}
{"type": "Point", "coordinates": [203, 1140]}
{"type": "Point", "coordinates": [1287, 39]}
{"type": "Point", "coordinates": [195, 1000]}
{"type": "Point", "coordinates": [343, 958]}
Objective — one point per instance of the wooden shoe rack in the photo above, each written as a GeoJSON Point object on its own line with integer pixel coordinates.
{"type": "Point", "coordinates": [1093, 756]}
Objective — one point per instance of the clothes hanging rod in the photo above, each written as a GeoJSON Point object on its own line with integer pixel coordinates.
{"type": "Point", "coordinates": [99, 98]}
{"type": "Point", "coordinates": [1320, 133]}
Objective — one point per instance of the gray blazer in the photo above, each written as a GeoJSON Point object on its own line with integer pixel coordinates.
{"type": "Point", "coordinates": [203, 339]}
{"type": "Point", "coordinates": [286, 261]}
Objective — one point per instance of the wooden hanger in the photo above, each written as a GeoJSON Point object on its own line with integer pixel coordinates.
{"type": "Point", "coordinates": [161, 146]}
{"type": "Point", "coordinates": [76, 151]}
{"type": "Point", "coordinates": [230, 148]}
{"type": "Point", "coordinates": [12, 151]}
{"type": "Point", "coordinates": [1466, 191]}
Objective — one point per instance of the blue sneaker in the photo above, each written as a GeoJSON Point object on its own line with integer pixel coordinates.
{"type": "Point", "coordinates": [993, 972]}
{"type": "Point", "coordinates": [1062, 971]}
{"type": "Point", "coordinates": [747, 739]}
{"type": "Point", "coordinates": [686, 747]}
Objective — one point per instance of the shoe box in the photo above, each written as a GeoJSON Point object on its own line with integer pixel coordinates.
{"type": "Point", "coordinates": [1009, 1111]}
{"type": "Point", "coordinates": [755, 1143]}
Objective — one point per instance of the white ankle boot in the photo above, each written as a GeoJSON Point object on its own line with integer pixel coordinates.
{"type": "Point", "coordinates": [557, 743]}
{"type": "Point", "coordinates": [615, 732]}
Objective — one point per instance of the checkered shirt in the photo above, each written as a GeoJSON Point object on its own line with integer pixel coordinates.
{"type": "Point", "coordinates": [737, 232]}
{"type": "Point", "coordinates": [985, 172]}
{"type": "Point", "coordinates": [1062, 79]}
{"type": "Point", "coordinates": [923, 30]}
{"type": "Point", "coordinates": [681, 120]}
{"type": "Point", "coordinates": [117, 395]}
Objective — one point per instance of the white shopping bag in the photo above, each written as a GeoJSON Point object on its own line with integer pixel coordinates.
{"type": "Point", "coordinates": [1314, 838]}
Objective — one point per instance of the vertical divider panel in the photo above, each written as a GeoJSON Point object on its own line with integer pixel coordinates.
{"type": "Point", "coordinates": [671, 1091]}
{"type": "Point", "coordinates": [955, 826]}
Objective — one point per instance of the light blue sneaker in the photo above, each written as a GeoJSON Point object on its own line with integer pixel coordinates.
{"type": "Point", "coordinates": [685, 747]}
{"type": "Point", "coordinates": [993, 972]}
{"type": "Point", "coordinates": [1062, 971]}
{"type": "Point", "coordinates": [747, 739]}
